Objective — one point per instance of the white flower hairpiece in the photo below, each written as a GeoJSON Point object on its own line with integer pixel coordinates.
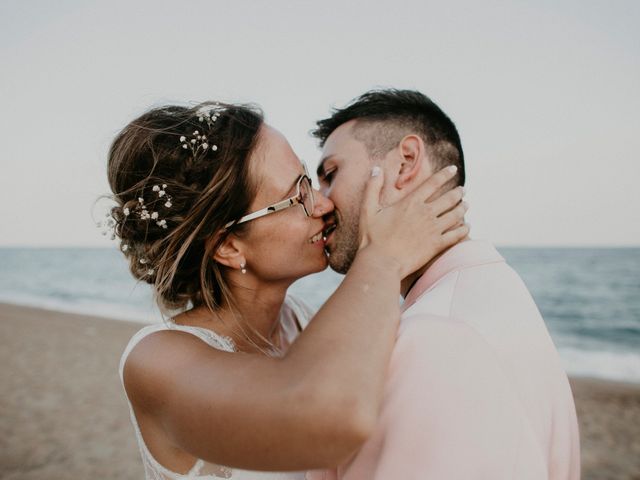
{"type": "Point", "coordinates": [144, 214]}
{"type": "Point", "coordinates": [109, 223]}
{"type": "Point", "coordinates": [209, 114]}
{"type": "Point", "coordinates": [198, 141]}
{"type": "Point", "coordinates": [150, 270]}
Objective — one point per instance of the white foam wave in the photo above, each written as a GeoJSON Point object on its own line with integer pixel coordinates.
{"type": "Point", "coordinates": [583, 362]}
{"type": "Point", "coordinates": [107, 310]}
{"type": "Point", "coordinates": [622, 365]}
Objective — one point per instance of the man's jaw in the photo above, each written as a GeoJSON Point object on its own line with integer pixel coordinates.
{"type": "Point", "coordinates": [339, 249]}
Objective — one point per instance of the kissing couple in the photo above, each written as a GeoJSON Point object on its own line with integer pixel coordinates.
{"type": "Point", "coordinates": [244, 381]}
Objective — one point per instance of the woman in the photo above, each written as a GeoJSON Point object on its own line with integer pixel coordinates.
{"type": "Point", "coordinates": [221, 390]}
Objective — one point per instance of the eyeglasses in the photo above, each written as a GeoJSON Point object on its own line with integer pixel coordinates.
{"type": "Point", "coordinates": [303, 197]}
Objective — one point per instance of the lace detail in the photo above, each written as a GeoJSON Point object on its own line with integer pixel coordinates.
{"type": "Point", "coordinates": [202, 470]}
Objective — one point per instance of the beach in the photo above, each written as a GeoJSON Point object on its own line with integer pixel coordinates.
{"type": "Point", "coordinates": [63, 413]}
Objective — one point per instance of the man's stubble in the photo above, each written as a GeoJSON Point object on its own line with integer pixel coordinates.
{"type": "Point", "coordinates": [346, 236]}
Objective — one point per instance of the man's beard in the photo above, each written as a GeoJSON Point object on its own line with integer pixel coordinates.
{"type": "Point", "coordinates": [345, 243]}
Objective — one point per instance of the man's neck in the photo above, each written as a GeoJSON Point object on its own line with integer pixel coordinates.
{"type": "Point", "coordinates": [409, 281]}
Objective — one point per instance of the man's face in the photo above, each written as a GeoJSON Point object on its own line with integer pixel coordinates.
{"type": "Point", "coordinates": [343, 172]}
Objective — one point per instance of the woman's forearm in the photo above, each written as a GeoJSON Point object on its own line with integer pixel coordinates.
{"type": "Point", "coordinates": [341, 357]}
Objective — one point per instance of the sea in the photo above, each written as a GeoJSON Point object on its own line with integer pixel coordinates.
{"type": "Point", "coordinates": [589, 297]}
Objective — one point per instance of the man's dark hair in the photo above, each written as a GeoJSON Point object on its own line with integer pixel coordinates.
{"type": "Point", "coordinates": [384, 117]}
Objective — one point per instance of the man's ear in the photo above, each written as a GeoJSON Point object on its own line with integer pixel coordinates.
{"type": "Point", "coordinates": [412, 151]}
{"type": "Point", "coordinates": [230, 252]}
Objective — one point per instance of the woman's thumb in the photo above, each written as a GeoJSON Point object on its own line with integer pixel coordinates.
{"type": "Point", "coordinates": [372, 191]}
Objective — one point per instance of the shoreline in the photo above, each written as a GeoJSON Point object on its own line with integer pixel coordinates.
{"type": "Point", "coordinates": [83, 311]}
{"type": "Point", "coordinates": [64, 413]}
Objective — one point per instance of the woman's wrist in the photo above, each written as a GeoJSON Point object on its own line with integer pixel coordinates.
{"type": "Point", "coordinates": [381, 260]}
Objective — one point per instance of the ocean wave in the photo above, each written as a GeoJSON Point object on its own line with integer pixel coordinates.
{"type": "Point", "coordinates": [580, 362]}
{"type": "Point", "coordinates": [620, 365]}
{"type": "Point", "coordinates": [589, 298]}
{"type": "Point", "coordinates": [93, 308]}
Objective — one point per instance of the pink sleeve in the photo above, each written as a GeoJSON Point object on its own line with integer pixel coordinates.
{"type": "Point", "coordinates": [448, 411]}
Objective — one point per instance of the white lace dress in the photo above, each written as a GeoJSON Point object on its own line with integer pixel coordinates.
{"type": "Point", "coordinates": [294, 316]}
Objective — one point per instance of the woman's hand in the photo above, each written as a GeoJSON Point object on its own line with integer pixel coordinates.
{"type": "Point", "coordinates": [418, 227]}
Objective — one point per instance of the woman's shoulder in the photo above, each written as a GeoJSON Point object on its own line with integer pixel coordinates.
{"type": "Point", "coordinates": [158, 354]}
{"type": "Point", "coordinates": [145, 345]}
{"type": "Point", "coordinates": [211, 338]}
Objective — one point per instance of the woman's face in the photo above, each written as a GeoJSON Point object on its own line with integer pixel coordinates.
{"type": "Point", "coordinates": [284, 245]}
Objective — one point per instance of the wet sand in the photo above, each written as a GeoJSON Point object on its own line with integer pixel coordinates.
{"type": "Point", "coordinates": [63, 414]}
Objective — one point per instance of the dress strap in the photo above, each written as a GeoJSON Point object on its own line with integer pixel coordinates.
{"type": "Point", "coordinates": [211, 338]}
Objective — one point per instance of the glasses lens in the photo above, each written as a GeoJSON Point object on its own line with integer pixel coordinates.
{"type": "Point", "coordinates": [306, 192]}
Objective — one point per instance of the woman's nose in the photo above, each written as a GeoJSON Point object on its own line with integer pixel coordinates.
{"type": "Point", "coordinates": [322, 205]}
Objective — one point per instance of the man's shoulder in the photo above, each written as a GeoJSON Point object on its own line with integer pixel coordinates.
{"type": "Point", "coordinates": [476, 285]}
{"type": "Point", "coordinates": [432, 336]}
{"type": "Point", "coordinates": [436, 301]}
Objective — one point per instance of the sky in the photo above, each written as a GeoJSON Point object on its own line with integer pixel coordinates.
{"type": "Point", "coordinates": [545, 95]}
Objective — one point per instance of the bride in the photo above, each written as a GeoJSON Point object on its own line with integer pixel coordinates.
{"type": "Point", "coordinates": [217, 213]}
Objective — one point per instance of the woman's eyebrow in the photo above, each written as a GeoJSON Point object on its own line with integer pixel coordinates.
{"type": "Point", "coordinates": [293, 187]}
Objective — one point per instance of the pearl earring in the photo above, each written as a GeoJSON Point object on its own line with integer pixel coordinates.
{"type": "Point", "coordinates": [242, 267]}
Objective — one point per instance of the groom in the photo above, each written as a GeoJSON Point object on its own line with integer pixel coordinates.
{"type": "Point", "coordinates": [475, 389]}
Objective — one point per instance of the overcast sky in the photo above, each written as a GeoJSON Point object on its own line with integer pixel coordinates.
{"type": "Point", "coordinates": [545, 94]}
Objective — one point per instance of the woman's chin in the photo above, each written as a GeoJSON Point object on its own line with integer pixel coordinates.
{"type": "Point", "coordinates": [319, 267]}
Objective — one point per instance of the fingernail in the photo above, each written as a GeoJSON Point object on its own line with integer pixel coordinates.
{"type": "Point", "coordinates": [452, 169]}
{"type": "Point", "coordinates": [375, 171]}
{"type": "Point", "coordinates": [465, 205]}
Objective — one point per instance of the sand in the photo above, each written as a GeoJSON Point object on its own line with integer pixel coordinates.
{"type": "Point", "coordinates": [63, 414]}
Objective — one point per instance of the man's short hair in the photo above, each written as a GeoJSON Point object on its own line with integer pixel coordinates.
{"type": "Point", "coordinates": [384, 117]}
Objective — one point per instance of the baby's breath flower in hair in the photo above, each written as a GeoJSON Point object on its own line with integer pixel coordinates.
{"type": "Point", "coordinates": [108, 225]}
{"type": "Point", "coordinates": [209, 114]}
{"type": "Point", "coordinates": [156, 148]}
{"type": "Point", "coordinates": [199, 142]}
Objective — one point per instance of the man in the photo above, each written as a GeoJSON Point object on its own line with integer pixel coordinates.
{"type": "Point", "coordinates": [475, 389]}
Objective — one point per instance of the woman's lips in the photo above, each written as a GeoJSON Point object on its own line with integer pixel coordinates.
{"type": "Point", "coordinates": [329, 230]}
{"type": "Point", "coordinates": [318, 237]}
{"type": "Point", "coordinates": [328, 236]}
